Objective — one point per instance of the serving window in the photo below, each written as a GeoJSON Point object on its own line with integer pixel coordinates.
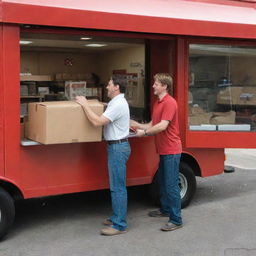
{"type": "Point", "coordinates": [222, 88]}
{"type": "Point", "coordinates": [57, 67]}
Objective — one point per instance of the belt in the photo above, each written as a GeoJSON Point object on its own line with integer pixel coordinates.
{"type": "Point", "coordinates": [116, 141]}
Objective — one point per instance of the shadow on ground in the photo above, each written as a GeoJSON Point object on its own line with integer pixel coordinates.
{"type": "Point", "coordinates": [39, 211]}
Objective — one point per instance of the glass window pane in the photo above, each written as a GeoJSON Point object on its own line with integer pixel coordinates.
{"type": "Point", "coordinates": [222, 88]}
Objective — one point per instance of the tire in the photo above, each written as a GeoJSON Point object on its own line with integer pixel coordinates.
{"type": "Point", "coordinates": [187, 186]}
{"type": "Point", "coordinates": [7, 212]}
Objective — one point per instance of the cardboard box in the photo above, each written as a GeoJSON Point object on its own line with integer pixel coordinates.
{"type": "Point", "coordinates": [229, 95]}
{"type": "Point", "coordinates": [194, 110]}
{"type": "Point", "coordinates": [197, 116]}
{"type": "Point", "coordinates": [200, 118]}
{"type": "Point", "coordinates": [223, 117]}
{"type": "Point", "coordinates": [68, 76]}
{"type": "Point", "coordinates": [62, 122]}
{"type": "Point", "coordinates": [35, 78]}
{"type": "Point", "coordinates": [247, 96]}
{"type": "Point", "coordinates": [73, 89]}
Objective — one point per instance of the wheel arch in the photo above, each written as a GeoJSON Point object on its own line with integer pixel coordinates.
{"type": "Point", "coordinates": [191, 161]}
{"type": "Point", "coordinates": [11, 188]}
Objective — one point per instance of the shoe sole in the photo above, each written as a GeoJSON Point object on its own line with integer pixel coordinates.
{"type": "Point", "coordinates": [171, 229]}
{"type": "Point", "coordinates": [117, 233]}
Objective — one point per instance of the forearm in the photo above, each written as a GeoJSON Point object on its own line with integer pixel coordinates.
{"type": "Point", "coordinates": [157, 128]}
{"type": "Point", "coordinates": [93, 118]}
{"type": "Point", "coordinates": [145, 126]}
{"type": "Point", "coordinates": [139, 125]}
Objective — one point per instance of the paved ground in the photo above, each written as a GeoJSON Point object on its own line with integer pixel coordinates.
{"type": "Point", "coordinates": [219, 222]}
{"type": "Point", "coordinates": [241, 158]}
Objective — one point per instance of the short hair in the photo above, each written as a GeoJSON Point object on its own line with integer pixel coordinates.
{"type": "Point", "coordinates": [121, 81]}
{"type": "Point", "coordinates": [165, 79]}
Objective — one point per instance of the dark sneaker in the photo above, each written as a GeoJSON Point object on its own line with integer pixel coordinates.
{"type": "Point", "coordinates": [170, 226]}
{"type": "Point", "coordinates": [110, 231]}
{"type": "Point", "coordinates": [157, 213]}
{"type": "Point", "coordinates": [107, 222]}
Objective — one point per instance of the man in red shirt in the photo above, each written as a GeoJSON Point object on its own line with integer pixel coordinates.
{"type": "Point", "coordinates": [164, 125]}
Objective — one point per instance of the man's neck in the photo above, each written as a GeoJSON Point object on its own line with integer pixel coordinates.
{"type": "Point", "coordinates": [116, 94]}
{"type": "Point", "coordinates": [162, 95]}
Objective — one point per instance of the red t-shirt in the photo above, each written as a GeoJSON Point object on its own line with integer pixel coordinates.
{"type": "Point", "coordinates": [168, 141]}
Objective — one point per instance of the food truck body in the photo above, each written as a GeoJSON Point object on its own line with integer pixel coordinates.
{"type": "Point", "coordinates": [211, 57]}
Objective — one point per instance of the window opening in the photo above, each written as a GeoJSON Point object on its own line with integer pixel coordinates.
{"type": "Point", "coordinates": [57, 67]}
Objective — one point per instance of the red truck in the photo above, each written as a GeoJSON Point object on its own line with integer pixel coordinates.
{"type": "Point", "coordinates": [209, 48]}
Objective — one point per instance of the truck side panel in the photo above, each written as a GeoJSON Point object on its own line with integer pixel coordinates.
{"type": "Point", "coordinates": [1, 105]}
{"type": "Point", "coordinates": [210, 160]}
{"type": "Point", "coordinates": [67, 168]}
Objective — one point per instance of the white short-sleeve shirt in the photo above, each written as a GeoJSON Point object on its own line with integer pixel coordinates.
{"type": "Point", "coordinates": [119, 115]}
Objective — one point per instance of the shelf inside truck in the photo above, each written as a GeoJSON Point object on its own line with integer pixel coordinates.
{"type": "Point", "coordinates": [27, 142]}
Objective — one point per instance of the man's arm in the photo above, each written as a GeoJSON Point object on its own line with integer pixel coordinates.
{"type": "Point", "coordinates": [94, 118]}
{"type": "Point", "coordinates": [159, 127]}
{"type": "Point", "coordinates": [137, 125]}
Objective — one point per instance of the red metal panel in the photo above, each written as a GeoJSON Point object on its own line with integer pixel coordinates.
{"type": "Point", "coordinates": [1, 12]}
{"type": "Point", "coordinates": [211, 160]}
{"type": "Point", "coordinates": [221, 139]}
{"type": "Point", "coordinates": [1, 106]}
{"type": "Point", "coordinates": [59, 169]}
{"type": "Point", "coordinates": [11, 70]}
{"type": "Point", "coordinates": [179, 17]}
{"type": "Point", "coordinates": [161, 60]}
{"type": "Point", "coordinates": [180, 89]}
{"type": "Point", "coordinates": [180, 9]}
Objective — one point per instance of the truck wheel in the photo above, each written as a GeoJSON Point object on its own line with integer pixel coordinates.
{"type": "Point", "coordinates": [7, 212]}
{"type": "Point", "coordinates": [187, 186]}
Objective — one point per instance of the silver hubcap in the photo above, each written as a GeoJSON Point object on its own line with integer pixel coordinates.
{"type": "Point", "coordinates": [183, 185]}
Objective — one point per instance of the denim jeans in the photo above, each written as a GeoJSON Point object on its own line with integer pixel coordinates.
{"type": "Point", "coordinates": [118, 155]}
{"type": "Point", "coordinates": [169, 187]}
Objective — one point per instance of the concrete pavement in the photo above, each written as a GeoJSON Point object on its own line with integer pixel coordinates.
{"type": "Point", "coordinates": [241, 158]}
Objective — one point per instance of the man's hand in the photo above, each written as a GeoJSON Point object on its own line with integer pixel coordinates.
{"type": "Point", "coordinates": [81, 100]}
{"type": "Point", "coordinates": [140, 133]}
{"type": "Point", "coordinates": [134, 124]}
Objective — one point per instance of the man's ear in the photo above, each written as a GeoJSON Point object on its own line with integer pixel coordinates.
{"type": "Point", "coordinates": [165, 86]}
{"type": "Point", "coordinates": [117, 87]}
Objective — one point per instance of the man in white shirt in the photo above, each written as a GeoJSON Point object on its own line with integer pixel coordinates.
{"type": "Point", "coordinates": [115, 120]}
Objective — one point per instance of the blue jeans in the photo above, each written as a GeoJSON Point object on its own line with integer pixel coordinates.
{"type": "Point", "coordinates": [118, 155]}
{"type": "Point", "coordinates": [169, 187]}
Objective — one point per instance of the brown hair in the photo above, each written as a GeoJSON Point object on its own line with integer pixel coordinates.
{"type": "Point", "coordinates": [122, 82]}
{"type": "Point", "coordinates": [165, 79]}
